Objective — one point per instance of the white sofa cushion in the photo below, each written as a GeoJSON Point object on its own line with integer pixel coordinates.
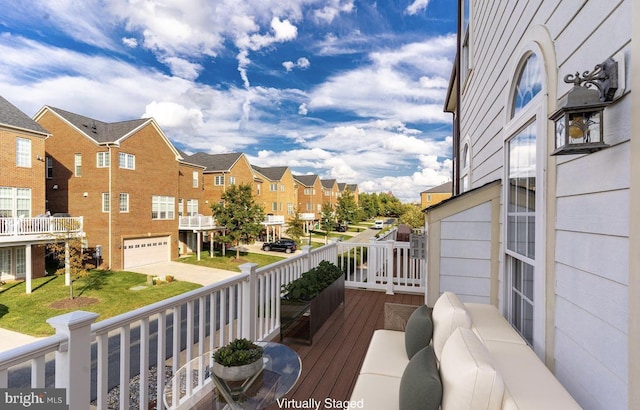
{"type": "Point", "coordinates": [386, 354]}
{"type": "Point", "coordinates": [448, 314]}
{"type": "Point", "coordinates": [529, 384]}
{"type": "Point", "coordinates": [489, 324]}
{"type": "Point", "coordinates": [469, 378]}
{"type": "Point", "coordinates": [377, 392]}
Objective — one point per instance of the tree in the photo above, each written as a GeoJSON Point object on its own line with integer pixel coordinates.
{"type": "Point", "coordinates": [346, 208]}
{"type": "Point", "coordinates": [369, 205]}
{"type": "Point", "coordinates": [295, 228]}
{"type": "Point", "coordinates": [327, 219]}
{"type": "Point", "coordinates": [67, 250]}
{"type": "Point", "coordinates": [412, 216]}
{"type": "Point", "coordinates": [239, 214]}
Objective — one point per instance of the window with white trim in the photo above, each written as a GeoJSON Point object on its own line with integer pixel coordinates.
{"type": "Point", "coordinates": [219, 180]}
{"type": "Point", "coordinates": [106, 205]}
{"type": "Point", "coordinates": [102, 159]}
{"type": "Point", "coordinates": [15, 202]}
{"type": "Point", "coordinates": [180, 207]}
{"type": "Point", "coordinates": [525, 145]}
{"type": "Point", "coordinates": [466, 62]}
{"type": "Point", "coordinates": [23, 152]}
{"type": "Point", "coordinates": [232, 180]}
{"type": "Point", "coordinates": [5, 261]}
{"type": "Point", "coordinates": [192, 207]}
{"type": "Point", "coordinates": [273, 187]}
{"type": "Point", "coordinates": [77, 165]}
{"type": "Point", "coordinates": [195, 179]}
{"type": "Point", "coordinates": [124, 202]}
{"type": "Point", "coordinates": [126, 161]}
{"type": "Point", "coordinates": [21, 261]}
{"type": "Point", "coordinates": [290, 210]}
{"type": "Point", "coordinates": [274, 206]}
{"type": "Point", "coordinates": [259, 189]}
{"type": "Point", "coordinates": [465, 172]}
{"type": "Point", "coordinates": [162, 207]}
{"type": "Point", "coordinates": [282, 188]}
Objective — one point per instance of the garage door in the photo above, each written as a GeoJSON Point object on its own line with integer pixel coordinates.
{"type": "Point", "coordinates": [144, 251]}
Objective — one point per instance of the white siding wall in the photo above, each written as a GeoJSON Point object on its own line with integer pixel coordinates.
{"type": "Point", "coordinates": [465, 265]}
{"type": "Point", "coordinates": [592, 197]}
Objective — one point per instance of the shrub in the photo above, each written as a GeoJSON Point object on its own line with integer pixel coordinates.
{"type": "Point", "coordinates": [311, 283]}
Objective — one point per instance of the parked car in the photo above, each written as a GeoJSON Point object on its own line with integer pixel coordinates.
{"type": "Point", "coordinates": [282, 245]}
{"type": "Point", "coordinates": [378, 225]}
{"type": "Point", "coordinates": [342, 228]}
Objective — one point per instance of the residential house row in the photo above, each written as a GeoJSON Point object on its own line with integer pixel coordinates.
{"type": "Point", "coordinates": [141, 199]}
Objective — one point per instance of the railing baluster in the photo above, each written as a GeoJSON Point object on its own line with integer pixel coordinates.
{"type": "Point", "coordinates": [161, 357]}
{"type": "Point", "coordinates": [102, 370]}
{"type": "Point", "coordinates": [37, 372]}
{"type": "Point", "coordinates": [125, 361]}
{"type": "Point", "coordinates": [144, 362]}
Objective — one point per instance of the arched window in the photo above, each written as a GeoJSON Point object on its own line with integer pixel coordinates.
{"type": "Point", "coordinates": [528, 85]}
{"type": "Point", "coordinates": [465, 172]}
{"type": "Point", "coordinates": [525, 133]}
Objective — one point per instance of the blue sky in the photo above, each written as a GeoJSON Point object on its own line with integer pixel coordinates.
{"type": "Point", "coordinates": [346, 89]}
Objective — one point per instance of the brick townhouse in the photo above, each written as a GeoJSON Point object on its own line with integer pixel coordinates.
{"type": "Point", "coordinates": [125, 178]}
{"type": "Point", "coordinates": [22, 193]}
{"type": "Point", "coordinates": [330, 191]}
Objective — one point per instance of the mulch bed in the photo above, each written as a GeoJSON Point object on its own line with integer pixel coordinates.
{"type": "Point", "coordinates": [77, 302]}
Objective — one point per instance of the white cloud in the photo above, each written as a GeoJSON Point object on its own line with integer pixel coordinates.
{"type": "Point", "coordinates": [183, 68]}
{"type": "Point", "coordinates": [302, 63]}
{"type": "Point", "coordinates": [332, 9]}
{"type": "Point", "coordinates": [417, 6]}
{"type": "Point", "coordinates": [171, 115]}
{"type": "Point", "coordinates": [302, 109]}
{"type": "Point", "coordinates": [130, 42]}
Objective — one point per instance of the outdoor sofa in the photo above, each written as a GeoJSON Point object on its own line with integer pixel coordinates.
{"type": "Point", "coordinates": [471, 358]}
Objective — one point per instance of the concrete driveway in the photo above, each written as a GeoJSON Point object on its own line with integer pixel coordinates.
{"type": "Point", "coordinates": [185, 272]}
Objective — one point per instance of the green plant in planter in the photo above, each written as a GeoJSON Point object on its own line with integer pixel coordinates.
{"type": "Point", "coordinates": [311, 283]}
{"type": "Point", "coordinates": [238, 353]}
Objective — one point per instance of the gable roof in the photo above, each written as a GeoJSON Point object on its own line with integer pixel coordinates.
{"type": "Point", "coordinates": [272, 173]}
{"type": "Point", "coordinates": [215, 162]}
{"type": "Point", "coordinates": [328, 183]}
{"type": "Point", "coordinates": [445, 188]}
{"type": "Point", "coordinates": [12, 117]}
{"type": "Point", "coordinates": [99, 131]}
{"type": "Point", "coordinates": [352, 187]}
{"type": "Point", "coordinates": [306, 180]}
{"type": "Point", "coordinates": [341, 186]}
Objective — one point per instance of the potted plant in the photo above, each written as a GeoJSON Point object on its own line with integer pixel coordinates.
{"type": "Point", "coordinates": [238, 360]}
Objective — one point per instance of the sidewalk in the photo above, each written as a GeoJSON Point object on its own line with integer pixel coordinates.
{"type": "Point", "coordinates": [10, 339]}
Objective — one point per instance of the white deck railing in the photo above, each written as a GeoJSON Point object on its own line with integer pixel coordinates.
{"type": "Point", "coordinates": [39, 225]}
{"type": "Point", "coordinates": [174, 331]}
{"type": "Point", "coordinates": [196, 222]}
{"type": "Point", "coordinates": [382, 265]}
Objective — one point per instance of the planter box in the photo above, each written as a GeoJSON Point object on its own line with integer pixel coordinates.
{"type": "Point", "coordinates": [300, 320]}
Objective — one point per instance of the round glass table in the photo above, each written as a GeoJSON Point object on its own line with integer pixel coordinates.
{"type": "Point", "coordinates": [194, 386]}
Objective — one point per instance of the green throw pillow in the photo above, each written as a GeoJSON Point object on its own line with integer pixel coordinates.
{"type": "Point", "coordinates": [419, 330]}
{"type": "Point", "coordinates": [420, 386]}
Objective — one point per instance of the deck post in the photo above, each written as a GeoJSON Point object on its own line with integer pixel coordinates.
{"type": "Point", "coordinates": [249, 301]}
{"type": "Point", "coordinates": [306, 257]}
{"type": "Point", "coordinates": [389, 265]}
{"type": "Point", "coordinates": [73, 366]}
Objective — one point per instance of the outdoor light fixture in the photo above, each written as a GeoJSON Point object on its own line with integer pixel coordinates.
{"type": "Point", "coordinates": [578, 121]}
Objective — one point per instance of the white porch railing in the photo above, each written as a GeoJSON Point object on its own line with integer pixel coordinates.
{"type": "Point", "coordinates": [39, 225]}
{"type": "Point", "coordinates": [382, 265]}
{"type": "Point", "coordinates": [196, 222]}
{"type": "Point", "coordinates": [273, 220]}
{"type": "Point", "coordinates": [89, 357]}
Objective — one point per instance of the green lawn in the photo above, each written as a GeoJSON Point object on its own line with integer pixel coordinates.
{"type": "Point", "coordinates": [28, 313]}
{"type": "Point", "coordinates": [228, 262]}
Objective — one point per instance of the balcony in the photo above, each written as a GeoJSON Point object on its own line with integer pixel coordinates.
{"type": "Point", "coordinates": [308, 216]}
{"type": "Point", "coordinates": [273, 220]}
{"type": "Point", "coordinates": [196, 223]}
{"type": "Point", "coordinates": [173, 331]}
{"type": "Point", "coordinates": [38, 229]}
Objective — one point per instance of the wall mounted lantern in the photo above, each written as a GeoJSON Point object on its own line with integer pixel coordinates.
{"type": "Point", "coordinates": [578, 121]}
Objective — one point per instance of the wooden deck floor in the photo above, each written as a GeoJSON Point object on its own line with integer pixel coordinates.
{"type": "Point", "coordinates": [330, 366]}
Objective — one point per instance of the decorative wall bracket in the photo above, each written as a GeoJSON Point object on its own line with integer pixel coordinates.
{"type": "Point", "coordinates": [604, 77]}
